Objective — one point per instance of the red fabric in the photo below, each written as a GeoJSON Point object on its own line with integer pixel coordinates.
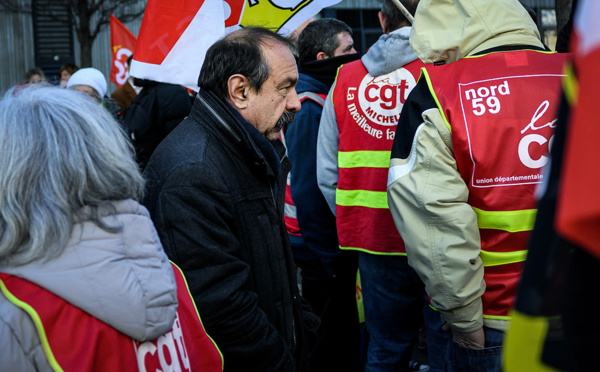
{"type": "Point", "coordinates": [578, 206]}
{"type": "Point", "coordinates": [163, 24]}
{"type": "Point", "coordinates": [502, 108]}
{"type": "Point", "coordinates": [122, 44]}
{"type": "Point", "coordinates": [80, 342]}
{"type": "Point", "coordinates": [367, 109]}
{"type": "Point", "coordinates": [291, 223]}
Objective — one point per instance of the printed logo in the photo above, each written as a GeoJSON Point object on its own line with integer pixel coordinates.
{"type": "Point", "coordinates": [381, 98]}
{"type": "Point", "coordinates": [502, 123]}
{"type": "Point", "coordinates": [526, 155]}
{"type": "Point", "coordinates": [120, 63]}
{"type": "Point", "coordinates": [168, 352]}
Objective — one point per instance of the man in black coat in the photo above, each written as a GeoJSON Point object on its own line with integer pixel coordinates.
{"type": "Point", "coordinates": [215, 192]}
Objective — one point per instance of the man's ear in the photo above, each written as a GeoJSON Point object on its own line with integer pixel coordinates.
{"type": "Point", "coordinates": [321, 55]}
{"type": "Point", "coordinates": [383, 23]}
{"type": "Point", "coordinates": [238, 87]}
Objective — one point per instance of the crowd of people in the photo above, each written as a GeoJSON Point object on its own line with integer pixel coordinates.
{"type": "Point", "coordinates": [309, 209]}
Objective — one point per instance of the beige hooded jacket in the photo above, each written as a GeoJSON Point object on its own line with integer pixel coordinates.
{"type": "Point", "coordinates": [426, 194]}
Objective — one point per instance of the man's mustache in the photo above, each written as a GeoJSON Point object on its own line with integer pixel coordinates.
{"type": "Point", "coordinates": [285, 119]}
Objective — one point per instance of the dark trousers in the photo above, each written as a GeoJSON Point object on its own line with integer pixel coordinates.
{"type": "Point", "coordinates": [333, 299]}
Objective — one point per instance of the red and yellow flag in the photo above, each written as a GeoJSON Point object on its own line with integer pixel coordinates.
{"type": "Point", "coordinates": [122, 44]}
{"type": "Point", "coordinates": [175, 35]}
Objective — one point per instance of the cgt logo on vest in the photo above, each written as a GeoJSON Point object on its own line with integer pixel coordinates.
{"type": "Point", "coordinates": [381, 98]}
{"type": "Point", "coordinates": [534, 156]}
{"type": "Point", "coordinates": [168, 352]}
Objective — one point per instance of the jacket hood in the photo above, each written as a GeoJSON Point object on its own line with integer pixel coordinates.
{"type": "Point", "coordinates": [389, 53]}
{"type": "Point", "coordinates": [307, 83]}
{"type": "Point", "coordinates": [123, 279]}
{"type": "Point", "coordinates": [448, 30]}
{"type": "Point", "coordinates": [325, 70]}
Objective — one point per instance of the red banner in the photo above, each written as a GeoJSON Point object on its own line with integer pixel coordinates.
{"type": "Point", "coordinates": [175, 35]}
{"type": "Point", "coordinates": [122, 44]}
{"type": "Point", "coordinates": [578, 209]}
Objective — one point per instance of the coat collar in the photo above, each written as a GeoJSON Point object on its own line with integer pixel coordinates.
{"type": "Point", "coordinates": [260, 152]}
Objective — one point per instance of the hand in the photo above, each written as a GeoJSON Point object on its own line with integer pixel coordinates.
{"type": "Point", "coordinates": [469, 340]}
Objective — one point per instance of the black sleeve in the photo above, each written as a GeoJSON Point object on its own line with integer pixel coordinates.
{"type": "Point", "coordinates": [418, 101]}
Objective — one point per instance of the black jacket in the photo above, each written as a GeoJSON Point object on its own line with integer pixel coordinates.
{"type": "Point", "coordinates": [213, 195]}
{"type": "Point", "coordinates": [153, 114]}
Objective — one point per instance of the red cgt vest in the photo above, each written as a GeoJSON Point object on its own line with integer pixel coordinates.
{"type": "Point", "coordinates": [76, 341]}
{"type": "Point", "coordinates": [290, 216]}
{"type": "Point", "coordinates": [501, 109]}
{"type": "Point", "coordinates": [367, 110]}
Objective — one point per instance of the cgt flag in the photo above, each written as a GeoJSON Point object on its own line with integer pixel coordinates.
{"type": "Point", "coordinates": [122, 44]}
{"type": "Point", "coordinates": [175, 35]}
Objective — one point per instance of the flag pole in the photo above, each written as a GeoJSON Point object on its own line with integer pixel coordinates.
{"type": "Point", "coordinates": [404, 11]}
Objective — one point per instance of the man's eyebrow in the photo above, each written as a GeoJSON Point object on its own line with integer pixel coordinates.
{"type": "Point", "coordinates": [289, 82]}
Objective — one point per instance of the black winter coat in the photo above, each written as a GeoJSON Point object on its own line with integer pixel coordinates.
{"type": "Point", "coordinates": [213, 195]}
{"type": "Point", "coordinates": [153, 114]}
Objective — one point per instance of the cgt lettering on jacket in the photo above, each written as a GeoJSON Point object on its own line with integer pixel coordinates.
{"type": "Point", "coordinates": [167, 352]}
{"type": "Point", "coordinates": [362, 122]}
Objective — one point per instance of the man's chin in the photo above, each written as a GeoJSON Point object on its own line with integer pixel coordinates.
{"type": "Point", "coordinates": [272, 135]}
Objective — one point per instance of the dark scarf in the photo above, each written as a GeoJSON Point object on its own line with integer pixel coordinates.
{"type": "Point", "coordinates": [325, 70]}
{"type": "Point", "coordinates": [264, 146]}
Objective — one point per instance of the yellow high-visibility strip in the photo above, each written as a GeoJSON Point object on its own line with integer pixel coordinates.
{"type": "Point", "coordinates": [361, 198]}
{"type": "Point", "coordinates": [511, 221]}
{"type": "Point", "coordinates": [367, 159]}
{"type": "Point", "coordinates": [373, 252]}
{"type": "Point", "coordinates": [502, 258]}
{"type": "Point", "coordinates": [524, 343]}
{"type": "Point", "coordinates": [437, 102]}
{"type": "Point", "coordinates": [38, 325]}
{"type": "Point", "coordinates": [570, 85]}
{"type": "Point", "coordinates": [498, 317]}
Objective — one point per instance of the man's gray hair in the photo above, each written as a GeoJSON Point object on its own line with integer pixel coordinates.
{"type": "Point", "coordinates": [59, 152]}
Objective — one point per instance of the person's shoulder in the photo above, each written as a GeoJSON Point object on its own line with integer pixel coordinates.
{"type": "Point", "coordinates": [166, 88]}
{"type": "Point", "coordinates": [358, 64]}
{"type": "Point", "coordinates": [189, 148]}
{"type": "Point", "coordinates": [21, 342]}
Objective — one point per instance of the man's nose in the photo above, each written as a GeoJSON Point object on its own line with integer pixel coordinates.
{"type": "Point", "coordinates": [293, 103]}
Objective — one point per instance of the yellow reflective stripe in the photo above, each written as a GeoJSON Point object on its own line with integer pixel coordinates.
{"type": "Point", "coordinates": [570, 84]}
{"type": "Point", "coordinates": [437, 102]}
{"type": "Point", "coordinates": [497, 317]}
{"type": "Point", "coordinates": [373, 252]}
{"type": "Point", "coordinates": [502, 258]}
{"type": "Point", "coordinates": [524, 343]}
{"type": "Point", "coordinates": [367, 159]}
{"type": "Point", "coordinates": [359, 299]}
{"type": "Point", "coordinates": [511, 221]}
{"type": "Point", "coordinates": [361, 198]}
{"type": "Point", "coordinates": [38, 325]}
